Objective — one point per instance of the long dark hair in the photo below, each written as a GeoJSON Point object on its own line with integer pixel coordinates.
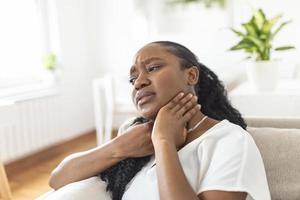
{"type": "Point", "coordinates": [211, 95]}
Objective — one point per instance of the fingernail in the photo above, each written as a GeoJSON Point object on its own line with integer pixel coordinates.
{"type": "Point", "coordinates": [190, 95]}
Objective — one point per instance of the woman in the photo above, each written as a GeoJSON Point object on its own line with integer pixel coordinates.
{"type": "Point", "coordinates": [189, 142]}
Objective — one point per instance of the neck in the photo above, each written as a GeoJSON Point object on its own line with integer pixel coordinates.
{"type": "Point", "coordinates": [195, 119]}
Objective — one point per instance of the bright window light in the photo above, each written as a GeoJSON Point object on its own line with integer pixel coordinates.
{"type": "Point", "coordinates": [21, 43]}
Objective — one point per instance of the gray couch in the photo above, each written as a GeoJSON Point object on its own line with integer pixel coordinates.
{"type": "Point", "coordinates": [279, 143]}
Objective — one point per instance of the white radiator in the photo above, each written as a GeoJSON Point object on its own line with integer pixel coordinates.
{"type": "Point", "coordinates": [29, 126]}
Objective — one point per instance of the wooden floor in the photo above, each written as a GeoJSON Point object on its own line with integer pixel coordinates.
{"type": "Point", "coordinates": [31, 180]}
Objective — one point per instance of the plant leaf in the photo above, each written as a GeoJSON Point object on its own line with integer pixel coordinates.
{"type": "Point", "coordinates": [260, 45]}
{"type": "Point", "coordinates": [254, 25]}
{"type": "Point", "coordinates": [250, 29]}
{"type": "Point", "coordinates": [238, 33]}
{"type": "Point", "coordinates": [279, 28]}
{"type": "Point", "coordinates": [259, 18]}
{"type": "Point", "coordinates": [263, 36]}
{"type": "Point", "coordinates": [269, 24]}
{"type": "Point", "coordinates": [252, 49]}
{"type": "Point", "coordinates": [282, 48]}
{"type": "Point", "coordinates": [240, 45]}
{"type": "Point", "coordinates": [247, 45]}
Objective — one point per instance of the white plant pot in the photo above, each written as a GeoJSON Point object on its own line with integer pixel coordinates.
{"type": "Point", "coordinates": [52, 77]}
{"type": "Point", "coordinates": [263, 75]}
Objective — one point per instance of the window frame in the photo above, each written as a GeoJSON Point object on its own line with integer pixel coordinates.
{"type": "Point", "coordinates": [49, 84]}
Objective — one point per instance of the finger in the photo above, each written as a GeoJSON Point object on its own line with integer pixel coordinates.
{"type": "Point", "coordinates": [174, 101]}
{"type": "Point", "coordinates": [188, 105]}
{"type": "Point", "coordinates": [190, 113]}
{"type": "Point", "coordinates": [182, 102]}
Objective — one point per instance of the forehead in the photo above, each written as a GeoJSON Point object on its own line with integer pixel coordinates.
{"type": "Point", "coordinates": [149, 53]}
{"type": "Point", "coordinates": [150, 50]}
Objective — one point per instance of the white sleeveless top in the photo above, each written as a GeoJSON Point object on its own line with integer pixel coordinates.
{"type": "Point", "coordinates": [224, 158]}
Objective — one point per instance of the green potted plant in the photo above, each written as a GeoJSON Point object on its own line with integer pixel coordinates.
{"type": "Point", "coordinates": [49, 61]}
{"type": "Point", "coordinates": [50, 65]}
{"type": "Point", "coordinates": [257, 42]}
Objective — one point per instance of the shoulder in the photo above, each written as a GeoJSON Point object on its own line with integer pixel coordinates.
{"type": "Point", "coordinates": [225, 131]}
{"type": "Point", "coordinates": [226, 139]}
{"type": "Point", "coordinates": [230, 161]}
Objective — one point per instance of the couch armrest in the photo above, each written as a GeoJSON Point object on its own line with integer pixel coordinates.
{"type": "Point", "coordinates": [290, 123]}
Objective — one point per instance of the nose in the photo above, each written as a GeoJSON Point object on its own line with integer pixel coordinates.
{"type": "Point", "coordinates": [141, 81]}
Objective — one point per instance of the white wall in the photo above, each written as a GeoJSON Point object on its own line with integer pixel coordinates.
{"type": "Point", "coordinates": [113, 31]}
{"type": "Point", "coordinates": [78, 62]}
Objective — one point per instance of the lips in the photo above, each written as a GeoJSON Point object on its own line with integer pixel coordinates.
{"type": "Point", "coordinates": [143, 96]}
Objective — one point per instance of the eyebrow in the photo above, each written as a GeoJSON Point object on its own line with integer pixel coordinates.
{"type": "Point", "coordinates": [145, 62]}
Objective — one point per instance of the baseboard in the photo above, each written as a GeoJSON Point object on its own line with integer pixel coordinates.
{"type": "Point", "coordinates": [14, 167]}
{"type": "Point", "coordinates": [19, 165]}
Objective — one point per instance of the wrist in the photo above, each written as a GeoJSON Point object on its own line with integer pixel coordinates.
{"type": "Point", "coordinates": [163, 143]}
{"type": "Point", "coordinates": [118, 151]}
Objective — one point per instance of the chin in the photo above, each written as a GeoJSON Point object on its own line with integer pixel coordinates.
{"type": "Point", "coordinates": [148, 113]}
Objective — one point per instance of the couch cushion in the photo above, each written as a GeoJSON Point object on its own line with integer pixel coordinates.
{"type": "Point", "coordinates": [280, 150]}
{"type": "Point", "coordinates": [90, 189]}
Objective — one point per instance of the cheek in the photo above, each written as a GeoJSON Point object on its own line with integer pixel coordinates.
{"type": "Point", "coordinates": [168, 88]}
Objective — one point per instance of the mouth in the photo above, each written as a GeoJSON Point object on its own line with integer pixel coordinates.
{"type": "Point", "coordinates": [145, 99]}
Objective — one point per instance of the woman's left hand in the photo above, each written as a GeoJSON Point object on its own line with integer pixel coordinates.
{"type": "Point", "coordinates": [171, 120]}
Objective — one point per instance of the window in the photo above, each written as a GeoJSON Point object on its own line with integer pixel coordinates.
{"type": "Point", "coordinates": [24, 39]}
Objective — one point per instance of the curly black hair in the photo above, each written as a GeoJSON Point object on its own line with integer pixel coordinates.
{"type": "Point", "coordinates": [214, 103]}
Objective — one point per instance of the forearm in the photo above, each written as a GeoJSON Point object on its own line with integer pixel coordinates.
{"type": "Point", "coordinates": [172, 182]}
{"type": "Point", "coordinates": [86, 164]}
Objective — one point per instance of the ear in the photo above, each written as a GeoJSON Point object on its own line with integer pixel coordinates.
{"type": "Point", "coordinates": [192, 75]}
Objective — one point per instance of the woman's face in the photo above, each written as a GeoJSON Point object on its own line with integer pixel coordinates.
{"type": "Point", "coordinates": [156, 77]}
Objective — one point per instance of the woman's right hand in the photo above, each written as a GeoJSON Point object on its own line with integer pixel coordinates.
{"type": "Point", "coordinates": [136, 141]}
